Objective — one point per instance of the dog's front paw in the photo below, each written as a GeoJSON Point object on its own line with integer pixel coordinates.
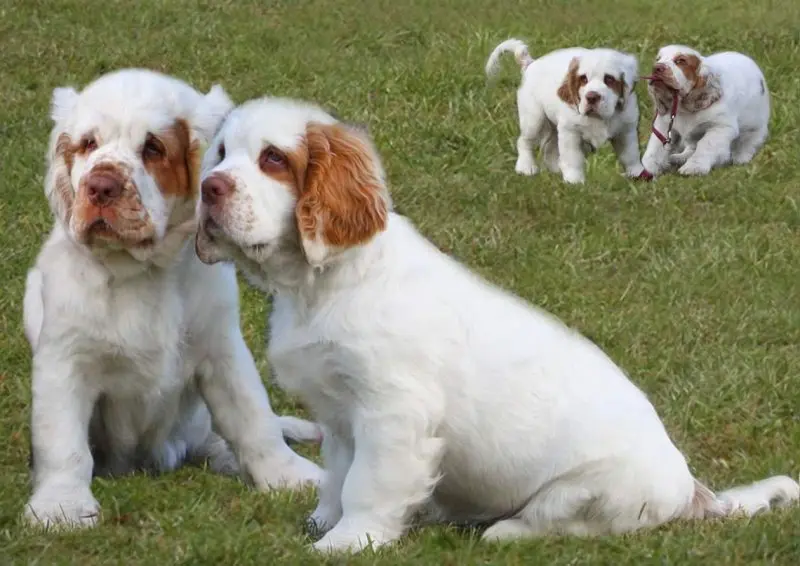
{"type": "Point", "coordinates": [694, 167]}
{"type": "Point", "coordinates": [352, 539]}
{"type": "Point", "coordinates": [573, 176]}
{"type": "Point", "coordinates": [62, 507]}
{"type": "Point", "coordinates": [294, 473]}
{"type": "Point", "coordinates": [526, 167]}
{"type": "Point", "coordinates": [322, 520]}
{"type": "Point", "coordinates": [635, 172]}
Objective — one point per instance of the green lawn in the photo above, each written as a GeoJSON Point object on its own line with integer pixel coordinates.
{"type": "Point", "coordinates": [692, 285]}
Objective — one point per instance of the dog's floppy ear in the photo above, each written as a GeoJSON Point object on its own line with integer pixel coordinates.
{"type": "Point", "coordinates": [60, 153]}
{"type": "Point", "coordinates": [344, 201]}
{"type": "Point", "coordinates": [62, 103]}
{"type": "Point", "coordinates": [707, 89]}
{"type": "Point", "coordinates": [569, 91]}
{"type": "Point", "coordinates": [629, 71]}
{"type": "Point", "coordinates": [210, 113]}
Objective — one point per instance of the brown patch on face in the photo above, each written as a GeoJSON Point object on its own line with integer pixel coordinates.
{"type": "Point", "coordinates": [173, 160]}
{"type": "Point", "coordinates": [615, 84]}
{"type": "Point", "coordinates": [569, 91]}
{"type": "Point", "coordinates": [342, 199]}
{"type": "Point", "coordinates": [287, 167]}
{"type": "Point", "coordinates": [62, 189]}
{"type": "Point", "coordinates": [690, 67]}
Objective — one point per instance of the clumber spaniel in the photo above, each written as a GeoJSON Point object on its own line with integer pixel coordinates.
{"type": "Point", "coordinates": [572, 101]}
{"type": "Point", "coordinates": [710, 111]}
{"type": "Point", "coordinates": [438, 392]}
{"type": "Point", "coordinates": [136, 344]}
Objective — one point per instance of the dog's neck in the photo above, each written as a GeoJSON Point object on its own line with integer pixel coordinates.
{"type": "Point", "coordinates": [287, 273]}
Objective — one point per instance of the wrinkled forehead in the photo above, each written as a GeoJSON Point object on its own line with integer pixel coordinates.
{"type": "Point", "coordinates": [130, 106]}
{"type": "Point", "coordinates": [599, 62]}
{"type": "Point", "coordinates": [270, 122]}
{"type": "Point", "coordinates": [669, 52]}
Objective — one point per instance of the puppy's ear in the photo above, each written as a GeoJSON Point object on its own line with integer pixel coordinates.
{"type": "Point", "coordinates": [62, 103]}
{"type": "Point", "coordinates": [569, 91]}
{"type": "Point", "coordinates": [344, 201]}
{"type": "Point", "coordinates": [707, 89]}
{"type": "Point", "coordinates": [58, 183]}
{"type": "Point", "coordinates": [210, 113]}
{"type": "Point", "coordinates": [629, 66]}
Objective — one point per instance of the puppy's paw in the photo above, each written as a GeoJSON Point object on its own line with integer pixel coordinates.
{"type": "Point", "coordinates": [635, 172]}
{"type": "Point", "coordinates": [573, 176]}
{"type": "Point", "coordinates": [694, 167]}
{"type": "Point", "coordinates": [62, 507]}
{"type": "Point", "coordinates": [678, 159]}
{"type": "Point", "coordinates": [526, 167]}
{"type": "Point", "coordinates": [322, 520]}
{"type": "Point", "coordinates": [351, 539]}
{"type": "Point", "coordinates": [294, 473]}
{"type": "Point", "coordinates": [300, 430]}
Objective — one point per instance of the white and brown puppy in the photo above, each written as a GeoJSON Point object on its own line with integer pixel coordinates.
{"type": "Point", "coordinates": [136, 344]}
{"type": "Point", "coordinates": [438, 391]}
{"type": "Point", "coordinates": [711, 111]}
{"type": "Point", "coordinates": [572, 101]}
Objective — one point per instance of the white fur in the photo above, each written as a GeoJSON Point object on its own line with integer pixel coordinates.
{"type": "Point", "coordinates": [732, 129]}
{"type": "Point", "coordinates": [137, 351]}
{"type": "Point", "coordinates": [563, 130]}
{"type": "Point", "coordinates": [440, 393]}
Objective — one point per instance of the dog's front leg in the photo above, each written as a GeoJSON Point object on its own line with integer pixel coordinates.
{"type": "Point", "coordinates": [656, 156]}
{"type": "Point", "coordinates": [570, 155]}
{"type": "Point", "coordinates": [713, 149]}
{"type": "Point", "coordinates": [242, 415]}
{"type": "Point", "coordinates": [626, 146]}
{"type": "Point", "coordinates": [62, 462]}
{"type": "Point", "coordinates": [337, 455]}
{"type": "Point", "coordinates": [394, 470]}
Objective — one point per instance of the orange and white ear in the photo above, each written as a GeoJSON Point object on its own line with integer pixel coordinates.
{"type": "Point", "coordinates": [707, 90]}
{"type": "Point", "coordinates": [569, 91]}
{"type": "Point", "coordinates": [58, 184]}
{"type": "Point", "coordinates": [344, 201]}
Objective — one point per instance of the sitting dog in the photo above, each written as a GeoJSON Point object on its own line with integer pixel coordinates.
{"type": "Point", "coordinates": [710, 111]}
{"type": "Point", "coordinates": [438, 392]}
{"type": "Point", "coordinates": [572, 101]}
{"type": "Point", "coordinates": [136, 345]}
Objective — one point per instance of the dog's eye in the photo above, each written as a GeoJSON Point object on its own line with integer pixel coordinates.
{"type": "Point", "coordinates": [583, 80]}
{"type": "Point", "coordinates": [221, 151]}
{"type": "Point", "coordinates": [152, 148]}
{"type": "Point", "coordinates": [271, 159]}
{"type": "Point", "coordinates": [609, 81]}
{"type": "Point", "coordinates": [680, 60]}
{"type": "Point", "coordinates": [88, 144]}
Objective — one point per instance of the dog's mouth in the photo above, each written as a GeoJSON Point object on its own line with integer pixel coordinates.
{"type": "Point", "coordinates": [100, 231]}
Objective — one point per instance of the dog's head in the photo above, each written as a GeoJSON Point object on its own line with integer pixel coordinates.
{"type": "Point", "coordinates": [599, 82]}
{"type": "Point", "coordinates": [124, 160]}
{"type": "Point", "coordinates": [681, 70]}
{"type": "Point", "coordinates": [283, 177]}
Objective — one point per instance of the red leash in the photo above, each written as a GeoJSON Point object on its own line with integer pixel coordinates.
{"type": "Point", "coordinates": [665, 139]}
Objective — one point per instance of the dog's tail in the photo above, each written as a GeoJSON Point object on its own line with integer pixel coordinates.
{"type": "Point", "coordinates": [746, 500]}
{"type": "Point", "coordinates": [515, 46]}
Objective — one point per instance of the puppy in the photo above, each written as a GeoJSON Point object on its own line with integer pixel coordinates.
{"type": "Point", "coordinates": [710, 111]}
{"type": "Point", "coordinates": [438, 392]}
{"type": "Point", "coordinates": [572, 101]}
{"type": "Point", "coordinates": [136, 344]}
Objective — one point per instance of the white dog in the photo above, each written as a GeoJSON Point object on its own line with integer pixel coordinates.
{"type": "Point", "coordinates": [572, 101]}
{"type": "Point", "coordinates": [710, 111]}
{"type": "Point", "coordinates": [132, 336]}
{"type": "Point", "coordinates": [438, 392]}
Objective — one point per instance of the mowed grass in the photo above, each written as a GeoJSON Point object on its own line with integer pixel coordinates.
{"type": "Point", "coordinates": [691, 285]}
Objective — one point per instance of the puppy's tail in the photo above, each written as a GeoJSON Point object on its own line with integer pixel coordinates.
{"type": "Point", "coordinates": [515, 46]}
{"type": "Point", "coordinates": [746, 500]}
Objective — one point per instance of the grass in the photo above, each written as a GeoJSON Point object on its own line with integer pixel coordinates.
{"type": "Point", "coordinates": [691, 285]}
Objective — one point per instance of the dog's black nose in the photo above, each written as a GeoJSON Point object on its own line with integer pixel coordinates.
{"type": "Point", "coordinates": [215, 188]}
{"type": "Point", "coordinates": [593, 97]}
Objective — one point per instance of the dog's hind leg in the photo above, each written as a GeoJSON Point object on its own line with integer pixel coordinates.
{"type": "Point", "coordinates": [747, 145]}
{"type": "Point", "coordinates": [531, 123]}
